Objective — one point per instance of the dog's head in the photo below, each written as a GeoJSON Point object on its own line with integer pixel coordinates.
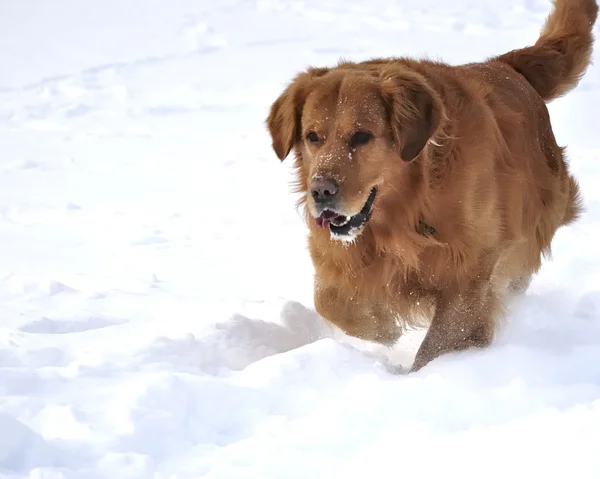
{"type": "Point", "coordinates": [355, 132]}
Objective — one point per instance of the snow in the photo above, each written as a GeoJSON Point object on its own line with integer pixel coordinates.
{"type": "Point", "coordinates": [155, 289]}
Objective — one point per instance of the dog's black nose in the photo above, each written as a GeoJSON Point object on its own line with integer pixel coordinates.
{"type": "Point", "coordinates": [323, 189]}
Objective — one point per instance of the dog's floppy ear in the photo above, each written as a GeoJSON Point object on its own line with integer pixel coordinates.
{"type": "Point", "coordinates": [415, 111]}
{"type": "Point", "coordinates": [285, 115]}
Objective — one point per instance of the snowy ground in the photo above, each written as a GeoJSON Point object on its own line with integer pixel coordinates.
{"type": "Point", "coordinates": [155, 291]}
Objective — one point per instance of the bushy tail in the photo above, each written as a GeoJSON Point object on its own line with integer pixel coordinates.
{"type": "Point", "coordinates": [555, 64]}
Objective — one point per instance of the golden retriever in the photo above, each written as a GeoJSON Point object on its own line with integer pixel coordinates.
{"type": "Point", "coordinates": [433, 191]}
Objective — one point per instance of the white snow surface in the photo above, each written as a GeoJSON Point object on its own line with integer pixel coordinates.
{"type": "Point", "coordinates": [155, 288]}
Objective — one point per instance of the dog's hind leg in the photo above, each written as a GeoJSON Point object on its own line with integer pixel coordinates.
{"type": "Point", "coordinates": [519, 285]}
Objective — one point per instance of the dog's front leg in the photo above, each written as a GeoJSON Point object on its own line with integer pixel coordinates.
{"type": "Point", "coordinates": [462, 320]}
{"type": "Point", "coordinates": [357, 317]}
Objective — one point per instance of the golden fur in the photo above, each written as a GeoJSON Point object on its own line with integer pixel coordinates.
{"type": "Point", "coordinates": [470, 183]}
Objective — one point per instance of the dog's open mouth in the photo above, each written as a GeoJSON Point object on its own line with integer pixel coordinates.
{"type": "Point", "coordinates": [341, 225]}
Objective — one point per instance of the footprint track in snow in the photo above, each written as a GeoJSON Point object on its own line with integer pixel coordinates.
{"type": "Point", "coordinates": [89, 76]}
{"type": "Point", "coordinates": [67, 326]}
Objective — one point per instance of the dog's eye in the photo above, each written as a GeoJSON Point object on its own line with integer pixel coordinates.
{"type": "Point", "coordinates": [360, 138]}
{"type": "Point", "coordinates": [312, 137]}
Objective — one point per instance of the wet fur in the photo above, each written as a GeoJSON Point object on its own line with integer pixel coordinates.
{"type": "Point", "coordinates": [467, 149]}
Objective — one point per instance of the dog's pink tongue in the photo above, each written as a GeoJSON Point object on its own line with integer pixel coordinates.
{"type": "Point", "coordinates": [322, 222]}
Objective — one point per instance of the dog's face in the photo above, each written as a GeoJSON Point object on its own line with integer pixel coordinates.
{"type": "Point", "coordinates": [352, 131]}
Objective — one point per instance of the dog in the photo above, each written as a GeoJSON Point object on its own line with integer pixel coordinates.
{"type": "Point", "coordinates": [432, 192]}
